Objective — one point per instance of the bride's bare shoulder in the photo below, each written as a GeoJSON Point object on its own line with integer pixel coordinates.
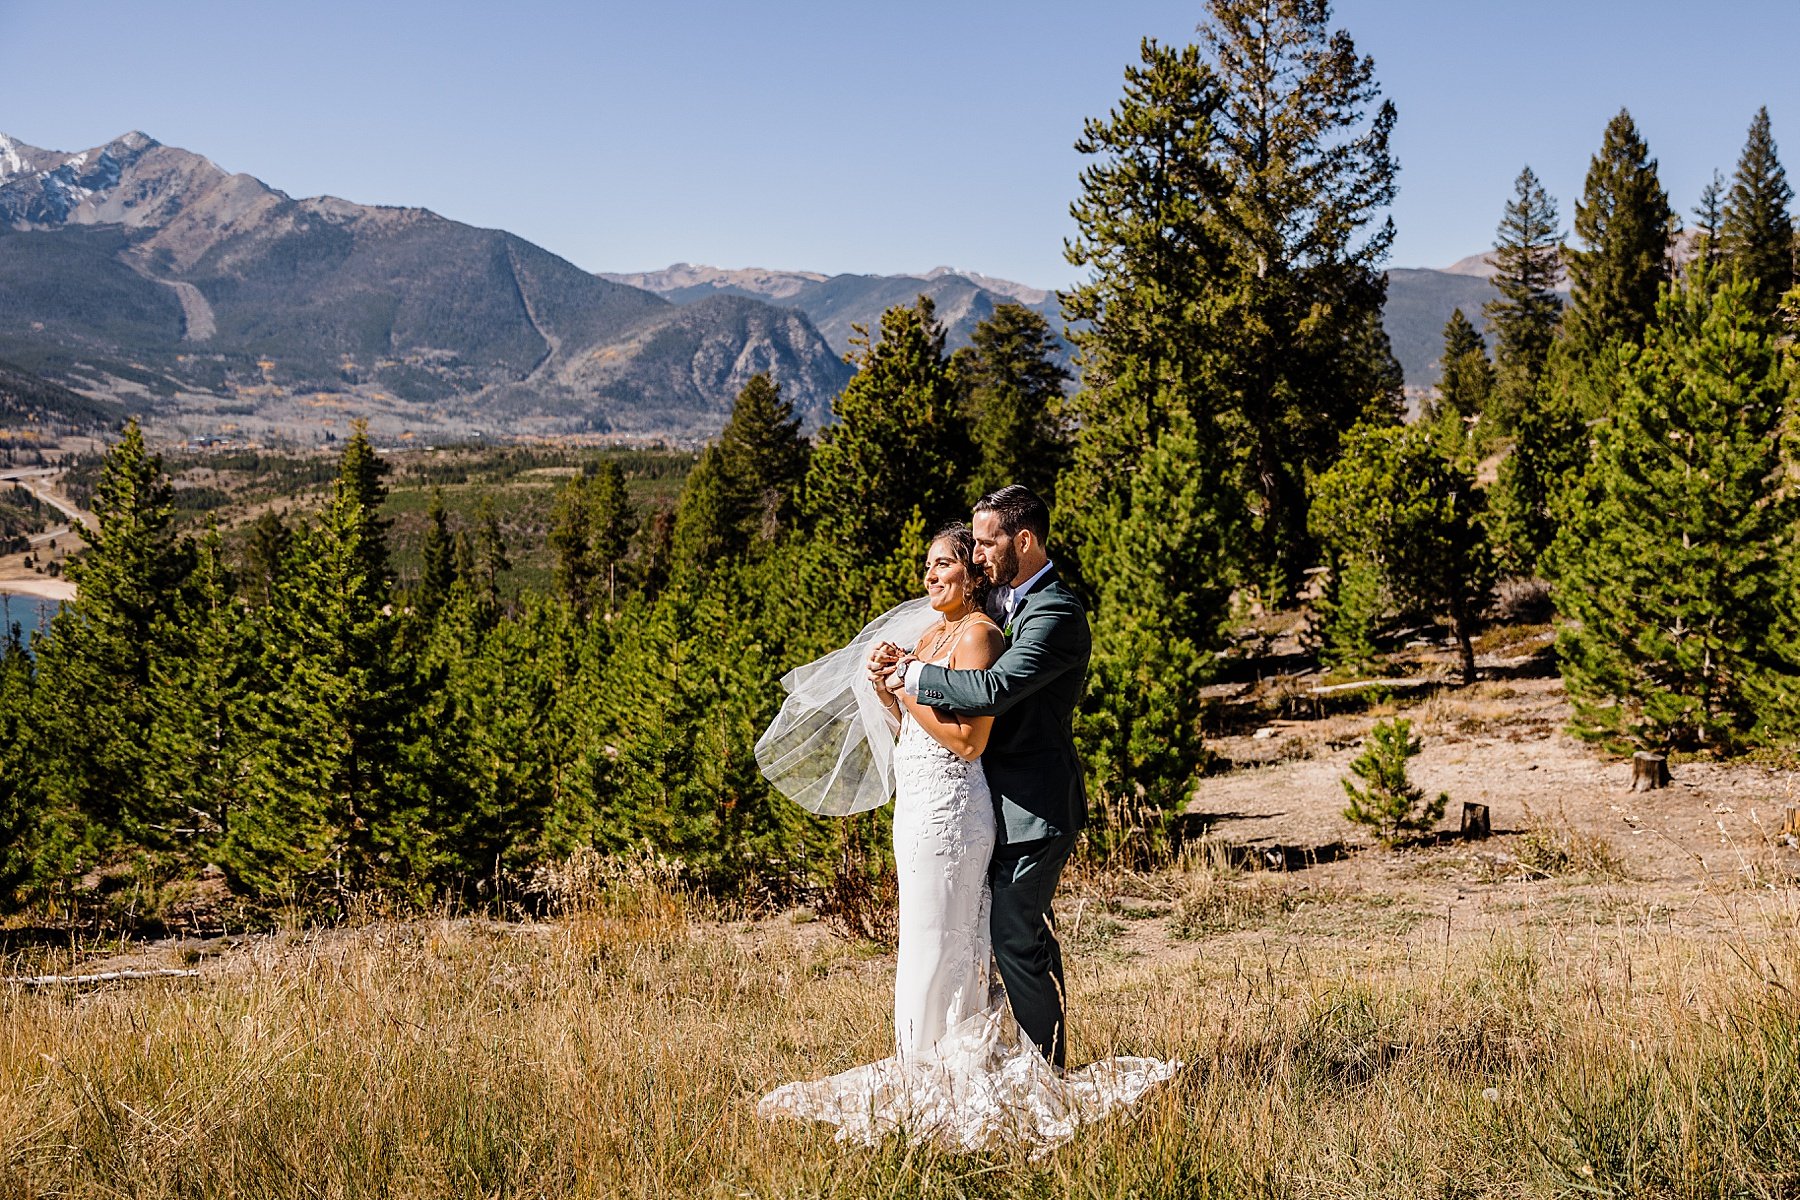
{"type": "Point", "coordinates": [979, 645]}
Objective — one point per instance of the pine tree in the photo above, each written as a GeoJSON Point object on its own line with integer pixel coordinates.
{"type": "Point", "coordinates": [745, 490]}
{"type": "Point", "coordinates": [1527, 258]}
{"type": "Point", "coordinates": [592, 528]}
{"type": "Point", "coordinates": [765, 455]}
{"type": "Point", "coordinates": [1014, 389]}
{"type": "Point", "coordinates": [360, 474]}
{"type": "Point", "coordinates": [21, 798]}
{"type": "Point", "coordinates": [1388, 802]}
{"type": "Point", "coordinates": [692, 681]}
{"type": "Point", "coordinates": [1625, 223]}
{"type": "Point", "coordinates": [330, 808]}
{"type": "Point", "coordinates": [1756, 231]}
{"type": "Point", "coordinates": [501, 748]}
{"type": "Point", "coordinates": [1466, 377]}
{"type": "Point", "coordinates": [900, 440]}
{"type": "Point", "coordinates": [1352, 601]}
{"type": "Point", "coordinates": [264, 551]}
{"type": "Point", "coordinates": [200, 702]}
{"type": "Point", "coordinates": [95, 667]}
{"type": "Point", "coordinates": [1149, 507]}
{"type": "Point", "coordinates": [1301, 137]}
{"type": "Point", "coordinates": [1160, 604]}
{"type": "Point", "coordinates": [1394, 501]}
{"type": "Point", "coordinates": [1548, 454]}
{"type": "Point", "coordinates": [1140, 321]}
{"type": "Point", "coordinates": [1669, 567]}
{"type": "Point", "coordinates": [437, 554]}
{"type": "Point", "coordinates": [484, 559]}
{"type": "Point", "coordinates": [1709, 218]}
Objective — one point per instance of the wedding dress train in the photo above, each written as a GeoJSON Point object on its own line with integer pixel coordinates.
{"type": "Point", "coordinates": [963, 1075]}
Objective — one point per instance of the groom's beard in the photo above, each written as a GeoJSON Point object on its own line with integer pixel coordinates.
{"type": "Point", "coordinates": [1002, 566]}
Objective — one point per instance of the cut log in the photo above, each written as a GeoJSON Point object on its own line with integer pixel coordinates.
{"type": "Point", "coordinates": [102, 977]}
{"type": "Point", "coordinates": [1476, 823]}
{"type": "Point", "coordinates": [1649, 771]}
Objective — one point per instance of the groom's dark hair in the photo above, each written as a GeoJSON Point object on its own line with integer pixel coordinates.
{"type": "Point", "coordinates": [1018, 507]}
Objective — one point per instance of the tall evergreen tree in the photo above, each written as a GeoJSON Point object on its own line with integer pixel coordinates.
{"type": "Point", "coordinates": [201, 700]}
{"type": "Point", "coordinates": [1625, 225]}
{"type": "Point", "coordinates": [360, 474]}
{"type": "Point", "coordinates": [1301, 136]}
{"type": "Point", "coordinates": [1141, 319]}
{"type": "Point", "coordinates": [1709, 219]}
{"type": "Point", "coordinates": [1014, 388]}
{"type": "Point", "coordinates": [437, 555]}
{"type": "Point", "coordinates": [745, 490]}
{"type": "Point", "coordinates": [96, 665]}
{"type": "Point", "coordinates": [1150, 504]}
{"type": "Point", "coordinates": [706, 689]}
{"type": "Point", "coordinates": [265, 550]}
{"type": "Point", "coordinates": [1756, 230]}
{"type": "Point", "coordinates": [590, 533]}
{"type": "Point", "coordinates": [501, 744]}
{"type": "Point", "coordinates": [1527, 261]}
{"type": "Point", "coordinates": [484, 558]}
{"type": "Point", "coordinates": [330, 805]}
{"type": "Point", "coordinates": [1395, 501]}
{"type": "Point", "coordinates": [900, 445]}
{"type": "Point", "coordinates": [21, 796]}
{"type": "Point", "coordinates": [1669, 568]}
{"type": "Point", "coordinates": [1548, 454]}
{"type": "Point", "coordinates": [1466, 376]}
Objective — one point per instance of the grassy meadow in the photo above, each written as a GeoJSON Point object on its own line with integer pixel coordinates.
{"type": "Point", "coordinates": [619, 1051]}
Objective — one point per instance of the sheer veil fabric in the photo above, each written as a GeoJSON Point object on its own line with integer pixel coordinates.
{"type": "Point", "coordinates": [962, 1075]}
{"type": "Point", "coordinates": [831, 747]}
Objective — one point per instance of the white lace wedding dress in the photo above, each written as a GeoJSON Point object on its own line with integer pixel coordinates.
{"type": "Point", "coordinates": [962, 1074]}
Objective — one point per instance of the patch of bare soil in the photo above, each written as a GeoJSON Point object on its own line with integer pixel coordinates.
{"type": "Point", "coordinates": [1273, 867]}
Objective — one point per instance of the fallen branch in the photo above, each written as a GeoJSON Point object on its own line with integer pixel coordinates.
{"type": "Point", "coordinates": [1396, 684]}
{"type": "Point", "coordinates": [102, 977]}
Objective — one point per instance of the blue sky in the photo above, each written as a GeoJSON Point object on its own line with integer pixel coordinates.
{"type": "Point", "coordinates": [835, 137]}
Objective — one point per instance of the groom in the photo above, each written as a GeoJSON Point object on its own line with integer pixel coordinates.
{"type": "Point", "coordinates": [1032, 769]}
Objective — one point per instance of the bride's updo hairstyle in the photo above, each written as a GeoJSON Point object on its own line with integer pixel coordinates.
{"type": "Point", "coordinates": [961, 540]}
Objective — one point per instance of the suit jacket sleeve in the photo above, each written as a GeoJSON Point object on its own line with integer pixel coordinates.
{"type": "Point", "coordinates": [1049, 642]}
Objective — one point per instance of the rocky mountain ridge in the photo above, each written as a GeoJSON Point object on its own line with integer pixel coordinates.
{"type": "Point", "coordinates": [148, 273]}
{"type": "Point", "coordinates": [836, 304]}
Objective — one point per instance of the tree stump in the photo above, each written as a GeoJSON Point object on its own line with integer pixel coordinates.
{"type": "Point", "coordinates": [1649, 771]}
{"type": "Point", "coordinates": [1475, 821]}
{"type": "Point", "coordinates": [1790, 821]}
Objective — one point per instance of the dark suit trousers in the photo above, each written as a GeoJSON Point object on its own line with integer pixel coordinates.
{"type": "Point", "coordinates": [1023, 877]}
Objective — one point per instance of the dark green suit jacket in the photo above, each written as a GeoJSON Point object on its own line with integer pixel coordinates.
{"type": "Point", "coordinates": [1031, 692]}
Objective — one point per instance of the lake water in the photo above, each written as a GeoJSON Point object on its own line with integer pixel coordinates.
{"type": "Point", "coordinates": [29, 612]}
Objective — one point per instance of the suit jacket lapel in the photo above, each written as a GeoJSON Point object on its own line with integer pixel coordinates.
{"type": "Point", "coordinates": [1043, 581]}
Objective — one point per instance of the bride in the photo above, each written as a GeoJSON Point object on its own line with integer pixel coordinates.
{"type": "Point", "coordinates": [962, 1074]}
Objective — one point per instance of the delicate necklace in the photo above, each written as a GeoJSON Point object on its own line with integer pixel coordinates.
{"type": "Point", "coordinates": [949, 632]}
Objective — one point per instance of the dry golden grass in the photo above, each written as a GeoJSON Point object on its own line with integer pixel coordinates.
{"type": "Point", "coordinates": [619, 1052]}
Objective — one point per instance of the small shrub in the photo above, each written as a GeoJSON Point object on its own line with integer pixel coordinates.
{"type": "Point", "coordinates": [1548, 849]}
{"type": "Point", "coordinates": [1389, 803]}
